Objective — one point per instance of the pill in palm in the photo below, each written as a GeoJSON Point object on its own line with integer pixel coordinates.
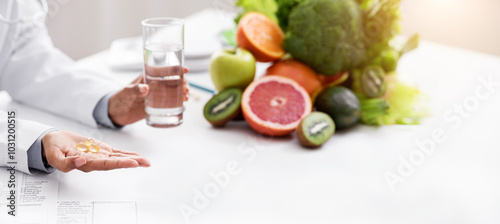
{"type": "Point", "coordinates": [94, 148]}
{"type": "Point", "coordinates": [89, 141]}
{"type": "Point", "coordinates": [82, 147]}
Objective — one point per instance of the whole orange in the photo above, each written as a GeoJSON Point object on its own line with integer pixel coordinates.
{"type": "Point", "coordinates": [298, 71]}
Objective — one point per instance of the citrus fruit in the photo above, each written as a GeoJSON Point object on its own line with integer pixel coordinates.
{"type": "Point", "coordinates": [275, 105]}
{"type": "Point", "coordinates": [261, 36]}
{"type": "Point", "coordinates": [297, 71]}
{"type": "Point", "coordinates": [337, 78]}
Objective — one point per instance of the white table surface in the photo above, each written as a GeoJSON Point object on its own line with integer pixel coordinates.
{"type": "Point", "coordinates": [341, 182]}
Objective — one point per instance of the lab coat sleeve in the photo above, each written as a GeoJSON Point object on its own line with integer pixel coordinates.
{"type": "Point", "coordinates": [17, 136]}
{"type": "Point", "coordinates": [39, 75]}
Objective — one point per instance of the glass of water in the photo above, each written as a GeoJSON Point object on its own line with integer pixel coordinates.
{"type": "Point", "coordinates": [163, 42]}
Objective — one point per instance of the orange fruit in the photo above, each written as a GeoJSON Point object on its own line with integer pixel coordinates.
{"type": "Point", "coordinates": [298, 71]}
{"type": "Point", "coordinates": [261, 36]}
{"type": "Point", "coordinates": [329, 81]}
{"type": "Point", "coordinates": [332, 78]}
{"type": "Point", "coordinates": [275, 105]}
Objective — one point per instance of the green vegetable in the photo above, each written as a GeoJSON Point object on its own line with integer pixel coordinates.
{"type": "Point", "coordinates": [407, 104]}
{"type": "Point", "coordinates": [411, 44]}
{"type": "Point", "coordinates": [373, 110]}
{"type": "Point", "coordinates": [390, 58]}
{"type": "Point", "coordinates": [266, 7]}
{"type": "Point", "coordinates": [380, 24]}
{"type": "Point", "coordinates": [229, 37]}
{"type": "Point", "coordinates": [277, 10]}
{"type": "Point", "coordinates": [402, 104]}
{"type": "Point", "coordinates": [284, 9]}
{"type": "Point", "coordinates": [326, 35]}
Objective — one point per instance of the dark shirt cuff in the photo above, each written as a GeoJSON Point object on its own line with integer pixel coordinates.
{"type": "Point", "coordinates": [101, 114]}
{"type": "Point", "coordinates": [35, 158]}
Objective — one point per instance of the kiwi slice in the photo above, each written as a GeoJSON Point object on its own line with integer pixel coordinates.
{"type": "Point", "coordinates": [223, 107]}
{"type": "Point", "coordinates": [373, 81]}
{"type": "Point", "coordinates": [315, 129]}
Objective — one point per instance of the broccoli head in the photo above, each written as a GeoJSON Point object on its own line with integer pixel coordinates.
{"type": "Point", "coordinates": [326, 35]}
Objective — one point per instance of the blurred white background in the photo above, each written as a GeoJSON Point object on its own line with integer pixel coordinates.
{"type": "Point", "coordinates": [84, 27]}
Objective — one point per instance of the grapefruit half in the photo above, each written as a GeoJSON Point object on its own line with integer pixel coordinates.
{"type": "Point", "coordinates": [275, 105]}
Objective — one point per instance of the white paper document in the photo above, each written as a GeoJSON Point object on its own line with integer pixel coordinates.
{"type": "Point", "coordinates": [28, 198]}
{"type": "Point", "coordinates": [33, 199]}
{"type": "Point", "coordinates": [87, 212]}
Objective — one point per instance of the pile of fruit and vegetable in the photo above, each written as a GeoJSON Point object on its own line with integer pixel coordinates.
{"type": "Point", "coordinates": [333, 65]}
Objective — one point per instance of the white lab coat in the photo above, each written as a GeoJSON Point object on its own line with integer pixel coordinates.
{"type": "Point", "coordinates": [35, 73]}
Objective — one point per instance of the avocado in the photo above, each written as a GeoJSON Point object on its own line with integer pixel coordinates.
{"type": "Point", "coordinates": [341, 104]}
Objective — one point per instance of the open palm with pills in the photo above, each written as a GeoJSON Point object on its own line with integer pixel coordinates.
{"type": "Point", "coordinates": [60, 150]}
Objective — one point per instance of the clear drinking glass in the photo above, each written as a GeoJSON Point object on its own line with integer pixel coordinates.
{"type": "Point", "coordinates": [163, 42]}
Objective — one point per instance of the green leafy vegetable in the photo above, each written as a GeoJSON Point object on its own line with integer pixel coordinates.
{"type": "Point", "coordinates": [266, 7]}
{"type": "Point", "coordinates": [407, 104]}
{"type": "Point", "coordinates": [229, 37]}
{"type": "Point", "coordinates": [380, 24]}
{"type": "Point", "coordinates": [411, 44]}
{"type": "Point", "coordinates": [284, 9]}
{"type": "Point", "coordinates": [388, 58]}
{"type": "Point", "coordinates": [373, 110]}
{"type": "Point", "coordinates": [402, 103]}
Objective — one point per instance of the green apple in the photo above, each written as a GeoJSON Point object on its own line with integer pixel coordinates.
{"type": "Point", "coordinates": [232, 68]}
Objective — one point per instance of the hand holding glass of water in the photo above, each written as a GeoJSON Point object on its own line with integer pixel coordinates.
{"type": "Point", "coordinates": [163, 42]}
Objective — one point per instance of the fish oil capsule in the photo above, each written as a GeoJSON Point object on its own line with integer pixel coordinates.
{"type": "Point", "coordinates": [94, 148]}
{"type": "Point", "coordinates": [82, 147]}
{"type": "Point", "coordinates": [89, 141]}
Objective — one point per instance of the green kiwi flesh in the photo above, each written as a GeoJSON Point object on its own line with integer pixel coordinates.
{"type": "Point", "coordinates": [223, 107]}
{"type": "Point", "coordinates": [315, 129]}
{"type": "Point", "coordinates": [373, 81]}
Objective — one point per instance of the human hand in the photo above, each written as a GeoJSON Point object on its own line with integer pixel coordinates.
{"type": "Point", "coordinates": [59, 148]}
{"type": "Point", "coordinates": [127, 105]}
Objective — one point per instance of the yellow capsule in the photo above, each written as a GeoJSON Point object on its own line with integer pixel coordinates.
{"type": "Point", "coordinates": [89, 141]}
{"type": "Point", "coordinates": [94, 148]}
{"type": "Point", "coordinates": [82, 147]}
